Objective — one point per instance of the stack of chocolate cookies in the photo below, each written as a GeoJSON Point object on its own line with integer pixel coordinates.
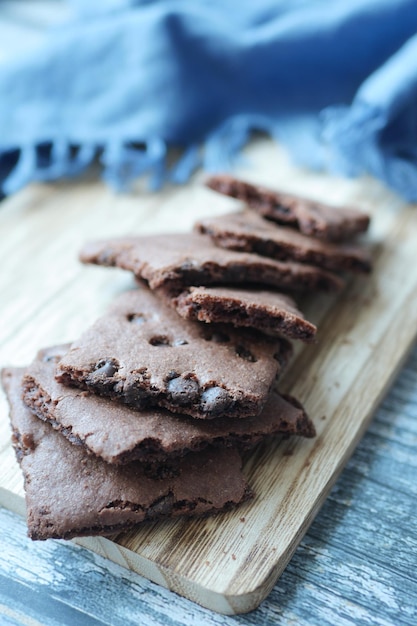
{"type": "Point", "coordinates": [145, 415]}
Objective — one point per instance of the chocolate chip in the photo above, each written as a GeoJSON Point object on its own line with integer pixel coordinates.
{"type": "Point", "coordinates": [159, 340]}
{"type": "Point", "coordinates": [285, 210]}
{"type": "Point", "coordinates": [162, 506]}
{"type": "Point", "coordinates": [244, 353]}
{"type": "Point", "coordinates": [101, 378]}
{"type": "Point", "coordinates": [188, 265]}
{"type": "Point", "coordinates": [179, 342]}
{"type": "Point", "coordinates": [106, 368]}
{"type": "Point", "coordinates": [136, 318]}
{"type": "Point", "coordinates": [183, 391]}
{"type": "Point", "coordinates": [215, 401]}
{"type": "Point", "coordinates": [136, 396]}
{"type": "Point", "coordinates": [49, 356]}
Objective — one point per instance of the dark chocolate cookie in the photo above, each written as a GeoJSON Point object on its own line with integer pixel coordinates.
{"type": "Point", "coordinates": [119, 434]}
{"type": "Point", "coordinates": [70, 493]}
{"type": "Point", "coordinates": [246, 231]}
{"type": "Point", "coordinates": [270, 312]}
{"type": "Point", "coordinates": [175, 261]}
{"type": "Point", "coordinates": [143, 354]}
{"type": "Point", "coordinates": [309, 216]}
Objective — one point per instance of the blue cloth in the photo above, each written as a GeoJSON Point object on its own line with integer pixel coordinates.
{"type": "Point", "coordinates": [336, 82]}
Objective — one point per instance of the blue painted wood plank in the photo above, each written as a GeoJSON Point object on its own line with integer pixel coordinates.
{"type": "Point", "coordinates": [377, 524]}
{"type": "Point", "coordinates": [33, 603]}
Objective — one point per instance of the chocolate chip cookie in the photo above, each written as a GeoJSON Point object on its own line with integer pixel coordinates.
{"type": "Point", "coordinates": [142, 353]}
{"type": "Point", "coordinates": [270, 312]}
{"type": "Point", "coordinates": [70, 493]}
{"type": "Point", "coordinates": [172, 262]}
{"type": "Point", "coordinates": [308, 216]}
{"type": "Point", "coordinates": [119, 434]}
{"type": "Point", "coordinates": [248, 232]}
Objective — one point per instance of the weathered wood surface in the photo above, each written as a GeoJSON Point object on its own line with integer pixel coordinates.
{"type": "Point", "coordinates": [48, 297]}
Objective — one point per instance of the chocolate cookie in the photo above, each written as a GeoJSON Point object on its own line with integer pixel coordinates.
{"type": "Point", "coordinates": [309, 216]}
{"type": "Point", "coordinates": [70, 493]}
{"type": "Point", "coordinates": [143, 354]}
{"type": "Point", "coordinates": [246, 231]}
{"type": "Point", "coordinates": [118, 434]}
{"type": "Point", "coordinates": [270, 312]}
{"type": "Point", "coordinates": [175, 261]}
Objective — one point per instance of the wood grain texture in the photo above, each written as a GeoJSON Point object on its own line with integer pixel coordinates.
{"type": "Point", "coordinates": [224, 563]}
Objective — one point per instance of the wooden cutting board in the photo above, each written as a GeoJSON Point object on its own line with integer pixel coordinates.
{"type": "Point", "coordinates": [230, 562]}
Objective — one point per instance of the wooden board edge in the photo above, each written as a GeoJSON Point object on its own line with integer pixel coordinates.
{"type": "Point", "coordinates": [106, 548]}
{"type": "Point", "coordinates": [13, 502]}
{"type": "Point", "coordinates": [218, 602]}
{"type": "Point", "coordinates": [213, 600]}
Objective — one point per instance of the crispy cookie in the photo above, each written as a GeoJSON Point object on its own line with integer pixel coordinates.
{"type": "Point", "coordinates": [119, 434]}
{"type": "Point", "coordinates": [70, 493]}
{"type": "Point", "coordinates": [172, 262]}
{"type": "Point", "coordinates": [143, 354]}
{"type": "Point", "coordinates": [246, 231]}
{"type": "Point", "coordinates": [270, 312]}
{"type": "Point", "coordinates": [309, 216]}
